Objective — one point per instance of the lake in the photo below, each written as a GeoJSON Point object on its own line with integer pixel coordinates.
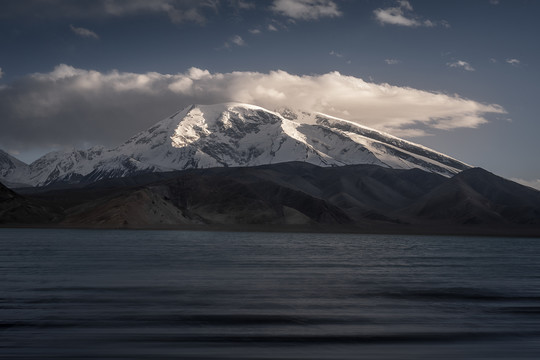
{"type": "Point", "coordinates": [119, 294]}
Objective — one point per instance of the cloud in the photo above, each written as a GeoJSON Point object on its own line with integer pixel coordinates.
{"type": "Point", "coordinates": [177, 10]}
{"type": "Point", "coordinates": [1, 73]}
{"type": "Point", "coordinates": [241, 4]}
{"type": "Point", "coordinates": [340, 56]}
{"type": "Point", "coordinates": [271, 27]}
{"type": "Point", "coordinates": [306, 9]}
{"type": "Point", "coordinates": [255, 31]}
{"type": "Point", "coordinates": [84, 32]}
{"type": "Point", "coordinates": [461, 64]}
{"type": "Point", "coordinates": [402, 15]}
{"type": "Point", "coordinates": [235, 40]}
{"type": "Point", "coordinates": [514, 62]}
{"type": "Point", "coordinates": [336, 54]}
{"type": "Point", "coordinates": [75, 107]}
{"type": "Point", "coordinates": [392, 61]}
{"type": "Point", "coordinates": [494, 2]}
{"type": "Point", "coordinates": [535, 184]}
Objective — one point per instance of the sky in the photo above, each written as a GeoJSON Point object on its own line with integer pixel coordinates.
{"type": "Point", "coordinates": [461, 77]}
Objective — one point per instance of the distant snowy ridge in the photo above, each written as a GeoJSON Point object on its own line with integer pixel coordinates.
{"type": "Point", "coordinates": [13, 172]}
{"type": "Point", "coordinates": [231, 134]}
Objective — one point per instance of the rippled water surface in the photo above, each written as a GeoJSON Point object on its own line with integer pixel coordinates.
{"type": "Point", "coordinates": [70, 294]}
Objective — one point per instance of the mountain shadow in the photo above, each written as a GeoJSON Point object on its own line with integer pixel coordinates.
{"type": "Point", "coordinates": [476, 196]}
{"type": "Point", "coordinates": [356, 198]}
{"type": "Point", "coordinates": [16, 209]}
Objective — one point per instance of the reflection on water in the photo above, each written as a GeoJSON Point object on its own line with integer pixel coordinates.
{"type": "Point", "coordinates": [222, 295]}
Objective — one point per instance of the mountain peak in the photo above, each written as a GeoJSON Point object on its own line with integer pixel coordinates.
{"type": "Point", "coordinates": [239, 134]}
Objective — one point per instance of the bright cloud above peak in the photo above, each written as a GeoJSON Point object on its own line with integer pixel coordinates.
{"type": "Point", "coordinates": [88, 106]}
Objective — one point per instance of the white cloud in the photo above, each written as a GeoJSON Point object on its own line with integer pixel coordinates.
{"type": "Point", "coordinates": [395, 16]}
{"type": "Point", "coordinates": [70, 106]}
{"type": "Point", "coordinates": [271, 27]}
{"type": "Point", "coordinates": [402, 15]}
{"type": "Point", "coordinates": [514, 62]}
{"type": "Point", "coordinates": [235, 40]}
{"type": "Point", "coordinates": [405, 5]}
{"type": "Point", "coordinates": [306, 9]}
{"type": "Point", "coordinates": [83, 32]}
{"type": "Point", "coordinates": [1, 73]}
{"type": "Point", "coordinates": [494, 2]}
{"type": "Point", "coordinates": [461, 64]}
{"type": "Point", "coordinates": [392, 61]}
{"type": "Point", "coordinates": [535, 184]}
{"type": "Point", "coordinates": [255, 31]}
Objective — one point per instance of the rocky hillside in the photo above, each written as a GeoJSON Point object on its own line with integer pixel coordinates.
{"type": "Point", "coordinates": [353, 197]}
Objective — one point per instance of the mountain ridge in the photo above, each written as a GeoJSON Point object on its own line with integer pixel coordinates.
{"type": "Point", "coordinates": [296, 195]}
{"type": "Point", "coordinates": [235, 134]}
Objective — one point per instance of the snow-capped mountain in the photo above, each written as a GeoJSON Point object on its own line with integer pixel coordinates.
{"type": "Point", "coordinates": [13, 172]}
{"type": "Point", "coordinates": [69, 166]}
{"type": "Point", "coordinates": [235, 134]}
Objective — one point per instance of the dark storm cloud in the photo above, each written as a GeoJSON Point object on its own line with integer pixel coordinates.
{"type": "Point", "coordinates": [69, 109]}
{"type": "Point", "coordinates": [176, 10]}
{"type": "Point", "coordinates": [51, 9]}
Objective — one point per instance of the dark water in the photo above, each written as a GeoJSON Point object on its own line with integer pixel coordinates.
{"type": "Point", "coordinates": [74, 294]}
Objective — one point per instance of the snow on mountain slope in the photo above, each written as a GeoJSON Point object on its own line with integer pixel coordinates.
{"type": "Point", "coordinates": [89, 165]}
{"type": "Point", "coordinates": [245, 135]}
{"type": "Point", "coordinates": [235, 134]}
{"type": "Point", "coordinates": [13, 172]}
{"type": "Point", "coordinates": [67, 166]}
